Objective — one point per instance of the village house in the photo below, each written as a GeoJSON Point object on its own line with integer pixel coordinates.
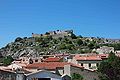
{"type": "Point", "coordinates": [50, 66]}
{"type": "Point", "coordinates": [25, 75]}
{"type": "Point", "coordinates": [64, 69]}
{"type": "Point", "coordinates": [29, 60]}
{"type": "Point", "coordinates": [88, 62]}
{"type": "Point", "coordinates": [104, 50]}
{"type": "Point", "coordinates": [53, 59]}
{"type": "Point", "coordinates": [43, 75]}
{"type": "Point", "coordinates": [87, 74]}
{"type": "Point", "coordinates": [47, 69]}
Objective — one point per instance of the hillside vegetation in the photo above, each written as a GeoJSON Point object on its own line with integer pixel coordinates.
{"type": "Point", "coordinates": [45, 45]}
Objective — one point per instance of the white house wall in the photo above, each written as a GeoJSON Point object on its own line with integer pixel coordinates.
{"type": "Point", "coordinates": [86, 64]}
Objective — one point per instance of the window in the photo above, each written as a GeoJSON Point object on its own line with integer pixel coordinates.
{"type": "Point", "coordinates": [89, 64]}
{"type": "Point", "coordinates": [36, 60]}
{"type": "Point", "coordinates": [97, 64]}
{"type": "Point", "coordinates": [81, 64]}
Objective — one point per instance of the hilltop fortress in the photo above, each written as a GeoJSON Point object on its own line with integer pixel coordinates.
{"type": "Point", "coordinates": [55, 34]}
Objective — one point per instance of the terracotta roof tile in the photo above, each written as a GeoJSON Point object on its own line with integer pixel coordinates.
{"type": "Point", "coordinates": [52, 59]}
{"type": "Point", "coordinates": [47, 65]}
{"type": "Point", "coordinates": [87, 58]}
{"type": "Point", "coordinates": [103, 56]}
{"type": "Point", "coordinates": [50, 65]}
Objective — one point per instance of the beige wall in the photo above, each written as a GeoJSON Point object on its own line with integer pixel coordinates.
{"type": "Point", "coordinates": [26, 60]}
{"type": "Point", "coordinates": [74, 61]}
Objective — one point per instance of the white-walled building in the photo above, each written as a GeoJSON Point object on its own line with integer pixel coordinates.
{"type": "Point", "coordinates": [88, 62]}
{"type": "Point", "coordinates": [104, 49]}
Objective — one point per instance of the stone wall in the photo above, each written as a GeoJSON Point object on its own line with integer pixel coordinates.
{"type": "Point", "coordinates": [87, 75]}
{"type": "Point", "coordinates": [5, 75]}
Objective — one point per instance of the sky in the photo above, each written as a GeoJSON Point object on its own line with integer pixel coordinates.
{"type": "Point", "coordinates": [91, 18]}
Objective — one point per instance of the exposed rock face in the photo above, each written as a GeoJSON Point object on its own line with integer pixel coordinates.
{"type": "Point", "coordinates": [54, 42]}
{"type": "Point", "coordinates": [29, 52]}
{"type": "Point", "coordinates": [21, 47]}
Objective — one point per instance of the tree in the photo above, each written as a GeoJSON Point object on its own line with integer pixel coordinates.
{"type": "Point", "coordinates": [70, 46]}
{"type": "Point", "coordinates": [91, 45]}
{"type": "Point", "coordinates": [62, 46]}
{"type": "Point", "coordinates": [38, 39]}
{"type": "Point", "coordinates": [110, 68]}
{"type": "Point", "coordinates": [73, 36]}
{"type": "Point", "coordinates": [80, 36]}
{"type": "Point", "coordinates": [55, 41]}
{"type": "Point", "coordinates": [79, 42]}
{"type": "Point", "coordinates": [76, 76]}
{"type": "Point", "coordinates": [47, 33]}
{"type": "Point", "coordinates": [18, 39]}
{"type": "Point", "coordinates": [7, 60]}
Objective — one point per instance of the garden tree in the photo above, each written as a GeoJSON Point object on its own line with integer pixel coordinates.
{"type": "Point", "coordinates": [76, 76]}
{"type": "Point", "coordinates": [7, 60]}
{"type": "Point", "coordinates": [110, 68]}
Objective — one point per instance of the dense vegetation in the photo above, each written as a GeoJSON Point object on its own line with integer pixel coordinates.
{"type": "Point", "coordinates": [47, 45]}
{"type": "Point", "coordinates": [76, 76]}
{"type": "Point", "coordinates": [6, 60]}
{"type": "Point", "coordinates": [110, 68]}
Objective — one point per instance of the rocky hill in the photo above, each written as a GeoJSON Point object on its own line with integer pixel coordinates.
{"type": "Point", "coordinates": [47, 44]}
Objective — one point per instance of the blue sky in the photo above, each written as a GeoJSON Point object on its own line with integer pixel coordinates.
{"type": "Point", "coordinates": [20, 18]}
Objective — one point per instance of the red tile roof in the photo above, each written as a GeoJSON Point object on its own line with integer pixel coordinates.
{"type": "Point", "coordinates": [52, 59]}
{"type": "Point", "coordinates": [91, 58]}
{"type": "Point", "coordinates": [103, 56]}
{"type": "Point", "coordinates": [49, 65]}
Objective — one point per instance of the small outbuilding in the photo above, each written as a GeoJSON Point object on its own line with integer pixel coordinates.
{"type": "Point", "coordinates": [43, 75]}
